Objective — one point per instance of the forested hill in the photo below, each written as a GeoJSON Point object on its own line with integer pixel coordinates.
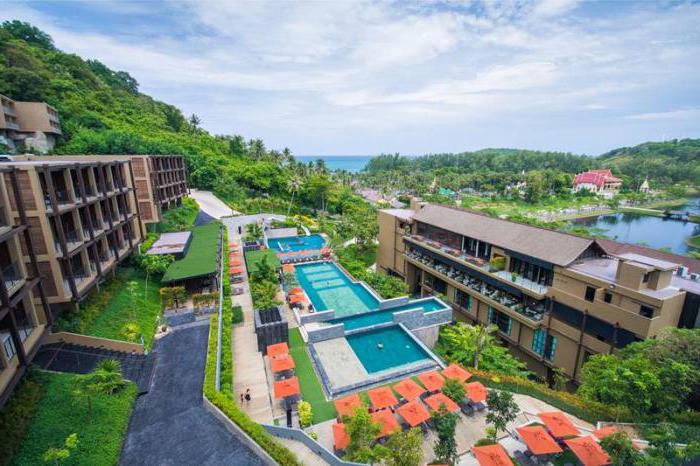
{"type": "Point", "coordinates": [666, 162]}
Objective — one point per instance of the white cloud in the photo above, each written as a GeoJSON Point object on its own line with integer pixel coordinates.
{"type": "Point", "coordinates": [669, 115]}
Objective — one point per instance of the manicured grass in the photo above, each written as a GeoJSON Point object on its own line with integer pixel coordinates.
{"type": "Point", "coordinates": [200, 259]}
{"type": "Point", "coordinates": [179, 218]}
{"type": "Point", "coordinates": [694, 241]}
{"type": "Point", "coordinates": [117, 312]}
{"type": "Point", "coordinates": [311, 390]}
{"type": "Point", "coordinates": [60, 414]}
{"type": "Point", "coordinates": [252, 258]}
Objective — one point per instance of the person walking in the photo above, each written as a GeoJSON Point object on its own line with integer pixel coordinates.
{"type": "Point", "coordinates": [247, 395]}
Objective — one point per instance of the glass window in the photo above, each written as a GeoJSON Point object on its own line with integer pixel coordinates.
{"type": "Point", "coordinates": [463, 300]}
{"type": "Point", "coordinates": [538, 341]}
{"type": "Point", "coordinates": [590, 294]}
{"type": "Point", "coordinates": [646, 311]}
{"type": "Point", "coordinates": [500, 320]}
{"type": "Point", "coordinates": [607, 297]}
{"type": "Point", "coordinates": [550, 347]}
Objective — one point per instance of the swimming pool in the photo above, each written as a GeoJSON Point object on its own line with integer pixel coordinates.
{"type": "Point", "coordinates": [386, 348]}
{"type": "Point", "coordinates": [296, 243]}
{"type": "Point", "coordinates": [329, 288]}
{"type": "Point", "coordinates": [386, 315]}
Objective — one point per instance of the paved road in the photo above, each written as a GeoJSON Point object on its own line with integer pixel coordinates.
{"type": "Point", "coordinates": [169, 425]}
{"type": "Point", "coordinates": [210, 204]}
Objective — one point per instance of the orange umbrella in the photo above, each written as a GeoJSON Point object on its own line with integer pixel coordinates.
{"type": "Point", "coordinates": [432, 380]}
{"type": "Point", "coordinates": [604, 432]}
{"type": "Point", "coordinates": [492, 455]}
{"type": "Point", "coordinates": [235, 270]}
{"type": "Point", "coordinates": [382, 397]}
{"type": "Point", "coordinates": [234, 254]}
{"type": "Point", "coordinates": [341, 439]}
{"type": "Point", "coordinates": [281, 363]}
{"type": "Point", "coordinates": [476, 392]}
{"type": "Point", "coordinates": [297, 299]}
{"type": "Point", "coordinates": [408, 389]}
{"type": "Point", "coordinates": [296, 290]}
{"type": "Point", "coordinates": [288, 268]}
{"type": "Point", "coordinates": [538, 440]}
{"type": "Point", "coordinates": [235, 263]}
{"type": "Point", "coordinates": [277, 349]}
{"type": "Point", "coordinates": [347, 406]}
{"type": "Point", "coordinates": [232, 245]}
{"type": "Point", "coordinates": [439, 399]}
{"type": "Point", "coordinates": [287, 387]}
{"type": "Point", "coordinates": [558, 424]}
{"type": "Point", "coordinates": [454, 371]}
{"type": "Point", "coordinates": [413, 413]}
{"type": "Point", "coordinates": [588, 451]}
{"type": "Point", "coordinates": [388, 422]}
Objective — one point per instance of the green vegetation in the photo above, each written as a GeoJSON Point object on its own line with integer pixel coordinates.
{"type": "Point", "coordinates": [262, 276]}
{"type": "Point", "coordinates": [694, 241]}
{"type": "Point", "coordinates": [179, 218]}
{"type": "Point", "coordinates": [311, 390]}
{"type": "Point", "coordinates": [61, 413]}
{"type": "Point", "coordinates": [445, 448]}
{"type": "Point", "coordinates": [357, 258]}
{"type": "Point", "coordinates": [105, 314]}
{"type": "Point", "coordinates": [253, 258]}
{"type": "Point", "coordinates": [363, 432]}
{"type": "Point", "coordinates": [200, 259]}
{"type": "Point", "coordinates": [502, 410]}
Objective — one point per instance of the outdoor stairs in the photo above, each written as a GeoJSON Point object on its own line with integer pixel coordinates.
{"type": "Point", "coordinates": [79, 359]}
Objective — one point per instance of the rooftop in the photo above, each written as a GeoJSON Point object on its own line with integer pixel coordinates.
{"type": "Point", "coordinates": [170, 243]}
{"type": "Point", "coordinates": [648, 261]}
{"type": "Point", "coordinates": [403, 214]}
{"type": "Point", "coordinates": [201, 257]}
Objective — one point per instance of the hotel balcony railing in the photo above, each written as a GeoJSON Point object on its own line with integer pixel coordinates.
{"type": "Point", "coordinates": [8, 110]}
{"type": "Point", "coordinates": [10, 125]}
{"type": "Point", "coordinates": [80, 278]}
{"type": "Point", "coordinates": [482, 264]}
{"type": "Point", "coordinates": [86, 234]}
{"type": "Point", "coordinates": [8, 345]}
{"type": "Point", "coordinates": [533, 312]}
{"type": "Point", "coordinates": [12, 276]}
{"type": "Point", "coordinates": [61, 197]}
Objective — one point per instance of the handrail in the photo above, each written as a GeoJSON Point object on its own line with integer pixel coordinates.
{"type": "Point", "coordinates": [221, 313]}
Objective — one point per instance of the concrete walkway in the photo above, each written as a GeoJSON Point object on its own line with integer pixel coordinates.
{"type": "Point", "coordinates": [211, 205]}
{"type": "Point", "coordinates": [169, 425]}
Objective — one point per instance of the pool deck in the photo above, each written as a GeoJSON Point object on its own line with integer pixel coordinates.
{"type": "Point", "coordinates": [342, 366]}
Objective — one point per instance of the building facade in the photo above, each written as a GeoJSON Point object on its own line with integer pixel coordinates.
{"type": "Point", "coordinates": [601, 182]}
{"type": "Point", "coordinates": [28, 126]}
{"type": "Point", "coordinates": [555, 298]}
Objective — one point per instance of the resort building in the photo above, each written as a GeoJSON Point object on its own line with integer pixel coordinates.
{"type": "Point", "coordinates": [160, 180]}
{"type": "Point", "coordinates": [601, 182]}
{"type": "Point", "coordinates": [81, 216]}
{"type": "Point", "coordinates": [556, 298]}
{"type": "Point", "coordinates": [28, 126]}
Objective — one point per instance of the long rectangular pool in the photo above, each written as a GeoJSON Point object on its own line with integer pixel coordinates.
{"type": "Point", "coordinates": [375, 317]}
{"type": "Point", "coordinates": [296, 243]}
{"type": "Point", "coordinates": [386, 348]}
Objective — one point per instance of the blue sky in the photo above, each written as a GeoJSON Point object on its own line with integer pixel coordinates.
{"type": "Point", "coordinates": [359, 77]}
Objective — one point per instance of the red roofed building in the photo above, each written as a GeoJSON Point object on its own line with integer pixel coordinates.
{"type": "Point", "coordinates": [598, 181]}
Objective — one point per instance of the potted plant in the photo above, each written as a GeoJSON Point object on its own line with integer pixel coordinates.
{"type": "Point", "coordinates": [514, 277]}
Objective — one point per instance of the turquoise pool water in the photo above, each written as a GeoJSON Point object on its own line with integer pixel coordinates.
{"type": "Point", "coordinates": [397, 349]}
{"type": "Point", "coordinates": [329, 288]}
{"type": "Point", "coordinates": [379, 317]}
{"type": "Point", "coordinates": [296, 243]}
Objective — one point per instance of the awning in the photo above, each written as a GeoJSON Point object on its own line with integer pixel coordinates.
{"type": "Point", "coordinates": [287, 387]}
{"type": "Point", "coordinates": [538, 440]}
{"type": "Point", "coordinates": [492, 455]}
{"type": "Point", "coordinates": [408, 389]}
{"type": "Point", "coordinates": [277, 349]}
{"type": "Point", "coordinates": [431, 380]}
{"type": "Point", "coordinates": [588, 451]}
{"type": "Point", "coordinates": [439, 399]}
{"type": "Point", "coordinates": [476, 392]}
{"type": "Point", "coordinates": [413, 413]}
{"type": "Point", "coordinates": [558, 424]}
{"type": "Point", "coordinates": [340, 438]}
{"type": "Point", "coordinates": [382, 397]}
{"type": "Point", "coordinates": [347, 406]}
{"type": "Point", "coordinates": [281, 363]}
{"type": "Point", "coordinates": [454, 371]}
{"type": "Point", "coordinates": [388, 422]}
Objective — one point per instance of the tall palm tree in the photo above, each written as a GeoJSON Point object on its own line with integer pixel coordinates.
{"type": "Point", "coordinates": [483, 337]}
{"type": "Point", "coordinates": [293, 185]}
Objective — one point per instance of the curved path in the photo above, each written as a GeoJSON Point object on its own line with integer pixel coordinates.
{"type": "Point", "coordinates": [169, 425]}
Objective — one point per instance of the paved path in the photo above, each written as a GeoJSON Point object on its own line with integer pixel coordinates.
{"type": "Point", "coordinates": [169, 425]}
{"type": "Point", "coordinates": [210, 204]}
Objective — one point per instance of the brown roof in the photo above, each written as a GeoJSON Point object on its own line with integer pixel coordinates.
{"type": "Point", "coordinates": [551, 246]}
{"type": "Point", "coordinates": [615, 248]}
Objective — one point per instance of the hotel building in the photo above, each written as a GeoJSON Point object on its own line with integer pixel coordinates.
{"type": "Point", "coordinates": [28, 126]}
{"type": "Point", "coordinates": [556, 298]}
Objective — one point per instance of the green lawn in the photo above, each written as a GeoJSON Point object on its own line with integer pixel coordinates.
{"type": "Point", "coordinates": [694, 241]}
{"type": "Point", "coordinates": [252, 258]}
{"type": "Point", "coordinates": [117, 312]}
{"type": "Point", "coordinates": [311, 390]}
{"type": "Point", "coordinates": [179, 218]}
{"type": "Point", "coordinates": [200, 259]}
{"type": "Point", "coordinates": [60, 414]}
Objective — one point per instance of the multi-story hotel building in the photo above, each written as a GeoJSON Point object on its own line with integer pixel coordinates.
{"type": "Point", "coordinates": [160, 180]}
{"type": "Point", "coordinates": [28, 126]}
{"type": "Point", "coordinates": [556, 298]}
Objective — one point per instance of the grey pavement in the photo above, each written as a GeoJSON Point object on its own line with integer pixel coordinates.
{"type": "Point", "coordinates": [169, 425]}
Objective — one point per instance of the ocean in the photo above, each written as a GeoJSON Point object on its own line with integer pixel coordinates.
{"type": "Point", "coordinates": [351, 163]}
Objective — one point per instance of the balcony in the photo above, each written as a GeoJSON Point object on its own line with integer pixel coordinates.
{"type": "Point", "coordinates": [482, 265]}
{"type": "Point", "coordinates": [8, 110]}
{"type": "Point", "coordinates": [62, 198]}
{"type": "Point", "coordinates": [533, 310]}
{"type": "Point", "coordinates": [81, 280]}
{"type": "Point", "coordinates": [13, 278]}
{"type": "Point", "coordinates": [72, 241]}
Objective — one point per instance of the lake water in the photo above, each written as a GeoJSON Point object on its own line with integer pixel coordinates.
{"type": "Point", "coordinates": [351, 163]}
{"type": "Point", "coordinates": [655, 232]}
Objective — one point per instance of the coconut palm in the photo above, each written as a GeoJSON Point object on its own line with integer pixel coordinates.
{"type": "Point", "coordinates": [483, 337]}
{"type": "Point", "coordinates": [293, 185]}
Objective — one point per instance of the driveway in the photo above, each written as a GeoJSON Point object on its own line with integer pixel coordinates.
{"type": "Point", "coordinates": [210, 204]}
{"type": "Point", "coordinates": [169, 425]}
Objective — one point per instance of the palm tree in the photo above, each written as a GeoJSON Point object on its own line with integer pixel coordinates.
{"type": "Point", "coordinates": [194, 122]}
{"type": "Point", "coordinates": [293, 185]}
{"type": "Point", "coordinates": [483, 337]}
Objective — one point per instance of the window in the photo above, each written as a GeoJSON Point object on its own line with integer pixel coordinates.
{"type": "Point", "coordinates": [463, 300]}
{"type": "Point", "coordinates": [607, 297]}
{"type": "Point", "coordinates": [550, 347]}
{"type": "Point", "coordinates": [500, 320]}
{"type": "Point", "coordinates": [538, 341]}
{"type": "Point", "coordinates": [645, 277]}
{"type": "Point", "coordinates": [646, 311]}
{"type": "Point", "coordinates": [590, 293]}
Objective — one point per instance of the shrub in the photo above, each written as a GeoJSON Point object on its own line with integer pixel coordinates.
{"type": "Point", "coordinates": [237, 314]}
{"type": "Point", "coordinates": [482, 442]}
{"type": "Point", "coordinates": [305, 413]}
{"type": "Point", "coordinates": [498, 263]}
{"type": "Point", "coordinates": [453, 390]}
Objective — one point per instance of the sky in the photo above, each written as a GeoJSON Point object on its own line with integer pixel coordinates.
{"type": "Point", "coordinates": [358, 77]}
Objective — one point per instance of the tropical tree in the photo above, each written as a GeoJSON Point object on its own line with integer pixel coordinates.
{"type": "Point", "coordinates": [154, 265]}
{"type": "Point", "coordinates": [445, 448]}
{"type": "Point", "coordinates": [294, 184]}
{"type": "Point", "coordinates": [621, 450]}
{"type": "Point", "coordinates": [405, 448]}
{"type": "Point", "coordinates": [363, 431]}
{"type": "Point", "coordinates": [253, 231]}
{"type": "Point", "coordinates": [194, 122]}
{"type": "Point", "coordinates": [132, 287]}
{"type": "Point", "coordinates": [502, 410]}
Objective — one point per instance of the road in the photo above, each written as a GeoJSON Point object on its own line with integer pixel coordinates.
{"type": "Point", "coordinates": [211, 205]}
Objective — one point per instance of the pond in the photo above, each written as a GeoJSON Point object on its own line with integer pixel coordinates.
{"type": "Point", "coordinates": [654, 232]}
